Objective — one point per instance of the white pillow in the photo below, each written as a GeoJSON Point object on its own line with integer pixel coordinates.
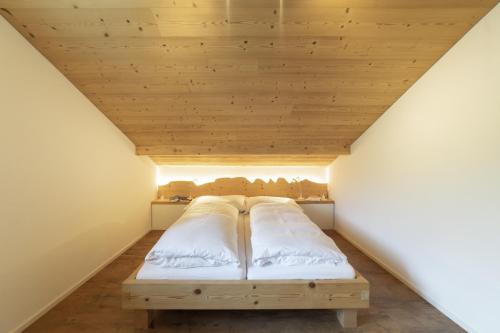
{"type": "Point", "coordinates": [252, 201]}
{"type": "Point", "coordinates": [237, 201]}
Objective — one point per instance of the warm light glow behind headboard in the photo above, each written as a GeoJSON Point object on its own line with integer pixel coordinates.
{"type": "Point", "coordinates": [206, 174]}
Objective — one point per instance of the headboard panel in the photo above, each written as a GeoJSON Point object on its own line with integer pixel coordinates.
{"type": "Point", "coordinates": [240, 185]}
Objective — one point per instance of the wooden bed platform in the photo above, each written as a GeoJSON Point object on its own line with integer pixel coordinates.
{"type": "Point", "coordinates": [346, 296]}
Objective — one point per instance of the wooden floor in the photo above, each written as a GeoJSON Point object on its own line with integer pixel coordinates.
{"type": "Point", "coordinates": [95, 307]}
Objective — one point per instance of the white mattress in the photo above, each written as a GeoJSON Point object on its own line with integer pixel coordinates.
{"type": "Point", "coordinates": [153, 272]}
{"type": "Point", "coordinates": [300, 272]}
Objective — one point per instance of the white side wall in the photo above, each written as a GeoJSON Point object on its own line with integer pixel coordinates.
{"type": "Point", "coordinates": [72, 192]}
{"type": "Point", "coordinates": [421, 190]}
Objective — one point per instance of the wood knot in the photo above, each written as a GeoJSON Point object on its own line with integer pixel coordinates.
{"type": "Point", "coordinates": [7, 11]}
{"type": "Point", "coordinates": [312, 285]}
{"type": "Point", "coordinates": [197, 291]}
{"type": "Point", "coordinates": [256, 302]}
{"type": "Point", "coordinates": [254, 287]}
{"type": "Point", "coordinates": [147, 299]}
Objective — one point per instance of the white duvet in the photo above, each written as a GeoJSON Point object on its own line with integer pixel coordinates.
{"type": "Point", "coordinates": [284, 235]}
{"type": "Point", "coordinates": [204, 236]}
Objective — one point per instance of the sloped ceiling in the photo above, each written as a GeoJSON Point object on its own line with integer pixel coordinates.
{"type": "Point", "coordinates": [243, 81]}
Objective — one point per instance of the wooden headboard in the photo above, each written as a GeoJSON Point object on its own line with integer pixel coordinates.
{"type": "Point", "coordinates": [240, 185]}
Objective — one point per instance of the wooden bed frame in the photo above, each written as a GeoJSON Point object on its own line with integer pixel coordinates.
{"type": "Point", "coordinates": [345, 295]}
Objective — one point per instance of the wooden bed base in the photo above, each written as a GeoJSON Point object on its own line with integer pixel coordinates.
{"type": "Point", "coordinates": [346, 296]}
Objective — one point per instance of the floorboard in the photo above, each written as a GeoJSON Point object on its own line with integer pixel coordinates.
{"type": "Point", "coordinates": [95, 306]}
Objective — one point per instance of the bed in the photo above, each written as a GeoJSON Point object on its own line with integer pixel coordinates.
{"type": "Point", "coordinates": [248, 287]}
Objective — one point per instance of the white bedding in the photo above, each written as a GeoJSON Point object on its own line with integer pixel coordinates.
{"type": "Point", "coordinates": [154, 272]}
{"type": "Point", "coordinates": [289, 241]}
{"type": "Point", "coordinates": [204, 236]}
{"type": "Point", "coordinates": [283, 234]}
{"type": "Point", "coordinates": [298, 272]}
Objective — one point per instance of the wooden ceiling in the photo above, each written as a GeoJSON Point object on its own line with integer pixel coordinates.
{"type": "Point", "coordinates": [243, 81]}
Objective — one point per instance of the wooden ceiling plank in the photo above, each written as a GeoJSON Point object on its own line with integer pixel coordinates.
{"type": "Point", "coordinates": [263, 81]}
{"type": "Point", "coordinates": [244, 159]}
{"type": "Point", "coordinates": [203, 99]}
{"type": "Point", "coordinates": [207, 22]}
{"type": "Point", "coordinates": [237, 149]}
{"type": "Point", "coordinates": [114, 4]}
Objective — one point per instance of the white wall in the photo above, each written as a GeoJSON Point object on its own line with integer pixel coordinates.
{"type": "Point", "coordinates": [421, 190]}
{"type": "Point", "coordinates": [72, 195]}
{"type": "Point", "coordinates": [206, 174]}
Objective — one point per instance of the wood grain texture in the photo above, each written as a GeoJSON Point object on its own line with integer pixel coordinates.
{"type": "Point", "coordinates": [246, 160]}
{"type": "Point", "coordinates": [241, 185]}
{"type": "Point", "coordinates": [96, 306]}
{"type": "Point", "coordinates": [245, 294]}
{"type": "Point", "coordinates": [344, 294]}
{"type": "Point", "coordinates": [300, 202]}
{"type": "Point", "coordinates": [314, 202]}
{"type": "Point", "coordinates": [243, 82]}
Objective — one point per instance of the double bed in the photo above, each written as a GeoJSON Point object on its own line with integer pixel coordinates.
{"type": "Point", "coordinates": [291, 283]}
